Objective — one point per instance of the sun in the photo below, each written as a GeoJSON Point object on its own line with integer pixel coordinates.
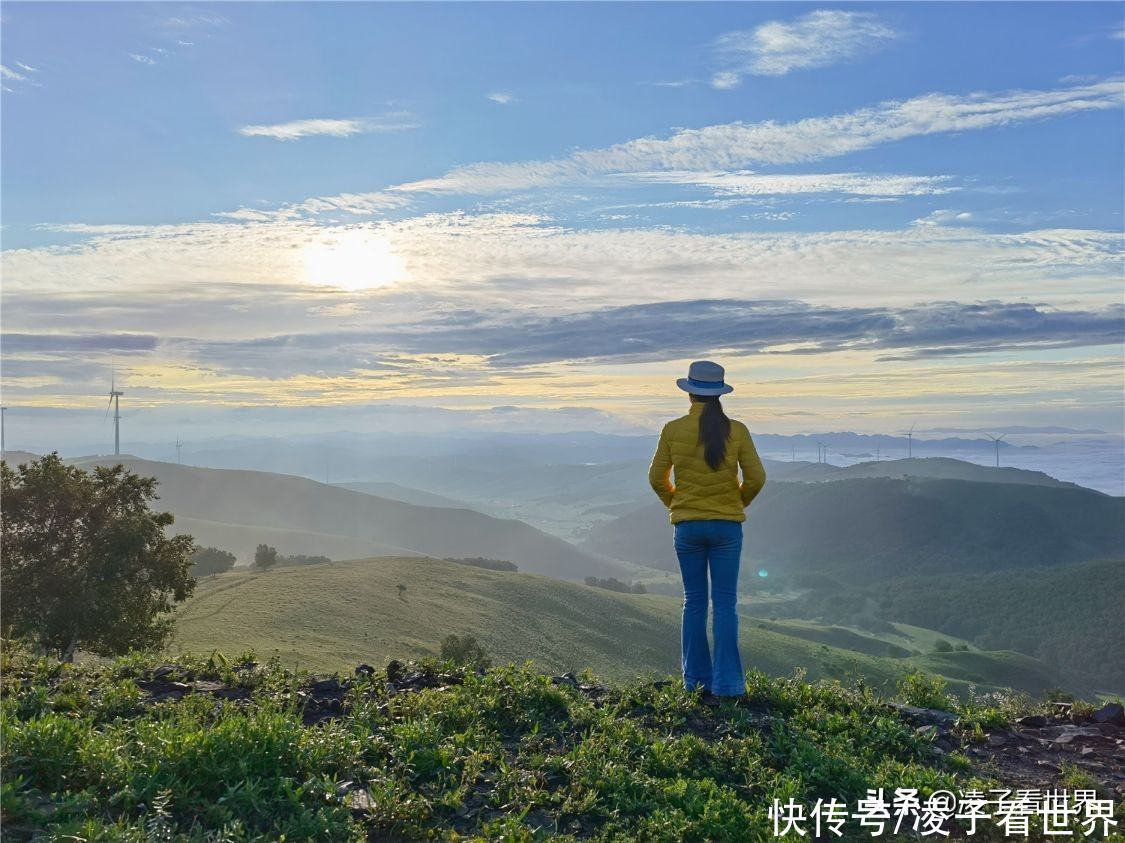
{"type": "Point", "coordinates": [352, 259]}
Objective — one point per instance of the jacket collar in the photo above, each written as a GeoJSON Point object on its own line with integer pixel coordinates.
{"type": "Point", "coordinates": [696, 408]}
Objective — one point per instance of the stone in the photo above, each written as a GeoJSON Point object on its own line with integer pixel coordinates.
{"type": "Point", "coordinates": [1034, 721]}
{"type": "Point", "coordinates": [924, 716]}
{"type": "Point", "coordinates": [1110, 713]}
{"type": "Point", "coordinates": [997, 739]}
{"type": "Point", "coordinates": [364, 670]}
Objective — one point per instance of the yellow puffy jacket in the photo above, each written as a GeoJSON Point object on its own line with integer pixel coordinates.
{"type": "Point", "coordinates": [700, 492]}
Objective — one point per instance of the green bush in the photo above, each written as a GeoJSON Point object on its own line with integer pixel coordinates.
{"type": "Point", "coordinates": [464, 651]}
{"type": "Point", "coordinates": [921, 689]}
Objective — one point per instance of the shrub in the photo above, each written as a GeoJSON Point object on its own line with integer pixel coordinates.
{"type": "Point", "coordinates": [211, 560]}
{"type": "Point", "coordinates": [942, 646]}
{"type": "Point", "coordinates": [464, 651]}
{"type": "Point", "coordinates": [265, 556]}
{"type": "Point", "coordinates": [920, 689]}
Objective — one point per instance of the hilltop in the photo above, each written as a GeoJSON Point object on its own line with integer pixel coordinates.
{"type": "Point", "coordinates": [207, 748]}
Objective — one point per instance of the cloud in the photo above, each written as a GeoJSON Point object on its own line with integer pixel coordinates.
{"type": "Point", "coordinates": [27, 67]}
{"type": "Point", "coordinates": [137, 57]}
{"type": "Point", "coordinates": [673, 83]}
{"type": "Point", "coordinates": [817, 39]}
{"type": "Point", "coordinates": [502, 98]}
{"type": "Point", "coordinates": [19, 343]}
{"type": "Point", "coordinates": [8, 73]}
{"type": "Point", "coordinates": [943, 217]}
{"type": "Point", "coordinates": [758, 184]}
{"type": "Point", "coordinates": [354, 204]}
{"type": "Point", "coordinates": [738, 146]}
{"type": "Point", "coordinates": [192, 18]}
{"type": "Point", "coordinates": [505, 339]}
{"type": "Point", "coordinates": [339, 128]}
{"type": "Point", "coordinates": [233, 278]}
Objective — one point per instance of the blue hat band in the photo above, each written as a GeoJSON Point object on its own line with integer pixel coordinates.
{"type": "Point", "coordinates": [706, 384]}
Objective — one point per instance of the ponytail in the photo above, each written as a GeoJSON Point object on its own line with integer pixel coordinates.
{"type": "Point", "coordinates": [714, 430]}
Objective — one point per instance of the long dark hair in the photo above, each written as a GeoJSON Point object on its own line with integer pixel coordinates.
{"type": "Point", "coordinates": [714, 429]}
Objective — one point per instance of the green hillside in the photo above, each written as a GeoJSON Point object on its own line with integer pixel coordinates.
{"type": "Point", "coordinates": [331, 616]}
{"type": "Point", "coordinates": [1067, 616]}
{"type": "Point", "coordinates": [866, 530]}
{"type": "Point", "coordinates": [236, 510]}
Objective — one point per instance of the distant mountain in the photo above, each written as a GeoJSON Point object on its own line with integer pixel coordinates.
{"type": "Point", "coordinates": [933, 467]}
{"type": "Point", "coordinates": [397, 492]}
{"type": "Point", "coordinates": [236, 510]}
{"type": "Point", "coordinates": [867, 529]}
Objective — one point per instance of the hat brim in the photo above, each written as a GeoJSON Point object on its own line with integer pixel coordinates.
{"type": "Point", "coordinates": [683, 384]}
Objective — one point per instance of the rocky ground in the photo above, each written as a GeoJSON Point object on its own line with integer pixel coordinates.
{"type": "Point", "coordinates": [1032, 751]}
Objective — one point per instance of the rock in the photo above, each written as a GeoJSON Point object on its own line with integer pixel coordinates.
{"type": "Point", "coordinates": [394, 670]}
{"type": "Point", "coordinates": [1111, 713]}
{"type": "Point", "coordinates": [997, 739]}
{"type": "Point", "coordinates": [364, 670]}
{"type": "Point", "coordinates": [163, 670]}
{"type": "Point", "coordinates": [924, 716]}
{"type": "Point", "coordinates": [359, 801]}
{"type": "Point", "coordinates": [322, 687]}
{"type": "Point", "coordinates": [565, 679]}
{"type": "Point", "coordinates": [1035, 721]}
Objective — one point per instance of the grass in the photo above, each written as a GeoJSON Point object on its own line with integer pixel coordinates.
{"type": "Point", "coordinates": [500, 755]}
{"type": "Point", "coordinates": [329, 617]}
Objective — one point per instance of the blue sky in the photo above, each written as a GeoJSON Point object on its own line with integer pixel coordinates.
{"type": "Point", "coordinates": [863, 210]}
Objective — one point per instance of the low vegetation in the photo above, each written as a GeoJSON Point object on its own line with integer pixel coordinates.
{"type": "Point", "coordinates": [614, 584]}
{"type": "Point", "coordinates": [487, 564]}
{"type": "Point", "coordinates": [209, 749]}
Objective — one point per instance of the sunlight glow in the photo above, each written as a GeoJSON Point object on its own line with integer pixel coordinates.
{"type": "Point", "coordinates": [352, 259]}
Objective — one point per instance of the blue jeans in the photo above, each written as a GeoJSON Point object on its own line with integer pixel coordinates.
{"type": "Point", "coordinates": [716, 546]}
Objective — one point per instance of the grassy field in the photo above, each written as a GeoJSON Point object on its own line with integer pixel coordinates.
{"type": "Point", "coordinates": [333, 616]}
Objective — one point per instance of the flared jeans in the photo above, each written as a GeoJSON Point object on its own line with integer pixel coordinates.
{"type": "Point", "coordinates": [710, 547]}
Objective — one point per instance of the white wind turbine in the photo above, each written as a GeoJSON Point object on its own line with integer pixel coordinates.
{"type": "Point", "coordinates": [115, 402]}
{"type": "Point", "coordinates": [996, 439]}
{"type": "Point", "coordinates": [909, 434]}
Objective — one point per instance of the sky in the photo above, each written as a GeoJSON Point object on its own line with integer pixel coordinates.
{"type": "Point", "coordinates": [872, 214]}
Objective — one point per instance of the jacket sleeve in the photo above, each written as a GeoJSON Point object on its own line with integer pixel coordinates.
{"type": "Point", "coordinates": [660, 470]}
{"type": "Point", "coordinates": [753, 472]}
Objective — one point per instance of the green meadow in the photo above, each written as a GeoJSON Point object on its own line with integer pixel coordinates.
{"type": "Point", "coordinates": [333, 616]}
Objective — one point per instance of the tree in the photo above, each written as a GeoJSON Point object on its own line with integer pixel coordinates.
{"type": "Point", "coordinates": [464, 651]}
{"type": "Point", "coordinates": [85, 562]}
{"type": "Point", "coordinates": [210, 560]}
{"type": "Point", "coordinates": [265, 556]}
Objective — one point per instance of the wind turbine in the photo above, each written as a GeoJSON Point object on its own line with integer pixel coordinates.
{"type": "Point", "coordinates": [909, 434]}
{"type": "Point", "coordinates": [115, 402]}
{"type": "Point", "coordinates": [2, 410]}
{"type": "Point", "coordinates": [179, 445]}
{"type": "Point", "coordinates": [996, 439]}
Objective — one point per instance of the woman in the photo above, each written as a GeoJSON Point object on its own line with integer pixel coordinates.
{"type": "Point", "coordinates": [706, 504]}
